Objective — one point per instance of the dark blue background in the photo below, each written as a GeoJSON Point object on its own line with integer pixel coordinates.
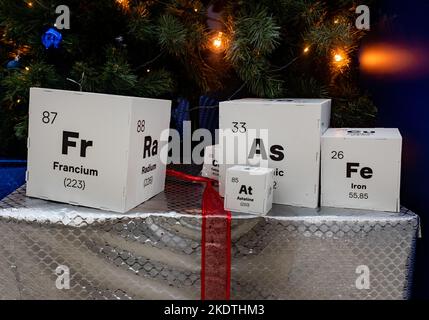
{"type": "Point", "coordinates": [404, 103]}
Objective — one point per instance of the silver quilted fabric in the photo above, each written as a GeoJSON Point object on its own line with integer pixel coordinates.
{"type": "Point", "coordinates": [154, 251]}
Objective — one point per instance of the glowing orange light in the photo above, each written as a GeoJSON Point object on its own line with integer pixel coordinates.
{"type": "Point", "coordinates": [394, 59]}
{"type": "Point", "coordinates": [27, 68]}
{"type": "Point", "coordinates": [340, 60]}
{"type": "Point", "coordinates": [218, 41]}
{"type": "Point", "coordinates": [306, 49]}
{"type": "Point", "coordinates": [30, 4]}
{"type": "Point", "coordinates": [124, 4]}
{"type": "Point", "coordinates": [196, 9]}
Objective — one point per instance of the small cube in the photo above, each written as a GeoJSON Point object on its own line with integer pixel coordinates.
{"type": "Point", "coordinates": [361, 169]}
{"type": "Point", "coordinates": [249, 189]}
{"type": "Point", "coordinates": [211, 164]}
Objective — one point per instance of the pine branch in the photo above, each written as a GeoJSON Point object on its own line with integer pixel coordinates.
{"type": "Point", "coordinates": [156, 84]}
{"type": "Point", "coordinates": [18, 83]}
{"type": "Point", "coordinates": [116, 75]}
{"type": "Point", "coordinates": [171, 35]}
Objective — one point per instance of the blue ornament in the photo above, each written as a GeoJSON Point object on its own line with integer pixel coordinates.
{"type": "Point", "coordinates": [52, 38]}
{"type": "Point", "coordinates": [13, 64]}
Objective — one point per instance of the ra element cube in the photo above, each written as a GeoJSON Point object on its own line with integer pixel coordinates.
{"type": "Point", "coordinates": [361, 169]}
{"type": "Point", "coordinates": [249, 189]}
{"type": "Point", "coordinates": [96, 150]}
{"type": "Point", "coordinates": [211, 163]}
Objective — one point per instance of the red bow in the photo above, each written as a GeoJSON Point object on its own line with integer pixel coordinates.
{"type": "Point", "coordinates": [215, 241]}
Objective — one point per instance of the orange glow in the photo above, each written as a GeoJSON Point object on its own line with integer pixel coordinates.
{"type": "Point", "coordinates": [340, 60]}
{"type": "Point", "coordinates": [392, 59]}
{"type": "Point", "coordinates": [218, 41]}
{"type": "Point", "coordinates": [306, 49]}
{"type": "Point", "coordinates": [124, 4]}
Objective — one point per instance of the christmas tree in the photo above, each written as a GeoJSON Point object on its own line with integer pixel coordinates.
{"type": "Point", "coordinates": [181, 48]}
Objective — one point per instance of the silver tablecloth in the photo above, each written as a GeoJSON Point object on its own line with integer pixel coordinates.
{"type": "Point", "coordinates": [154, 251]}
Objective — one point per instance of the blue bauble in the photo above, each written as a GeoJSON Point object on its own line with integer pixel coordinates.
{"type": "Point", "coordinates": [52, 38]}
{"type": "Point", "coordinates": [13, 64]}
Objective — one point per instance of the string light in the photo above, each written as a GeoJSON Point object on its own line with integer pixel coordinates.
{"type": "Point", "coordinates": [30, 4]}
{"type": "Point", "coordinates": [124, 4]}
{"type": "Point", "coordinates": [340, 60]}
{"type": "Point", "coordinates": [307, 49]}
{"type": "Point", "coordinates": [27, 68]}
{"type": "Point", "coordinates": [218, 41]}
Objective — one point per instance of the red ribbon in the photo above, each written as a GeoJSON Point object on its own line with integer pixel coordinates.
{"type": "Point", "coordinates": [215, 241]}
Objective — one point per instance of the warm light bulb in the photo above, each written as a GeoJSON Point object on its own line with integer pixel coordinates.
{"type": "Point", "coordinates": [30, 4]}
{"type": "Point", "coordinates": [123, 3]}
{"type": "Point", "coordinates": [338, 58]}
{"type": "Point", "coordinates": [18, 101]}
{"type": "Point", "coordinates": [336, 21]}
{"type": "Point", "coordinates": [196, 9]}
{"type": "Point", "coordinates": [147, 70]}
{"type": "Point", "coordinates": [27, 68]}
{"type": "Point", "coordinates": [306, 49]}
{"type": "Point", "coordinates": [217, 43]}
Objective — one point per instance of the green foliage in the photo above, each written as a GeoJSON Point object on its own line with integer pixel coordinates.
{"type": "Point", "coordinates": [171, 34]}
{"type": "Point", "coordinates": [333, 35]}
{"type": "Point", "coordinates": [254, 36]}
{"type": "Point", "coordinates": [164, 49]}
{"type": "Point", "coordinates": [140, 25]}
{"type": "Point", "coordinates": [258, 29]}
{"type": "Point", "coordinates": [116, 74]}
{"type": "Point", "coordinates": [156, 82]}
{"type": "Point", "coordinates": [21, 128]}
{"type": "Point", "coordinates": [17, 84]}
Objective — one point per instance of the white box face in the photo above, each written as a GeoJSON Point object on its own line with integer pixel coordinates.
{"type": "Point", "coordinates": [147, 164]}
{"type": "Point", "coordinates": [211, 163]}
{"type": "Point", "coordinates": [292, 143]}
{"type": "Point", "coordinates": [361, 169]}
{"type": "Point", "coordinates": [81, 151]}
{"type": "Point", "coordinates": [249, 189]}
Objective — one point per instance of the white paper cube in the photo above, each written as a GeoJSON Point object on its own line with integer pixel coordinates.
{"type": "Point", "coordinates": [211, 163]}
{"type": "Point", "coordinates": [249, 189]}
{"type": "Point", "coordinates": [361, 169]}
{"type": "Point", "coordinates": [96, 150]}
{"type": "Point", "coordinates": [291, 145]}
